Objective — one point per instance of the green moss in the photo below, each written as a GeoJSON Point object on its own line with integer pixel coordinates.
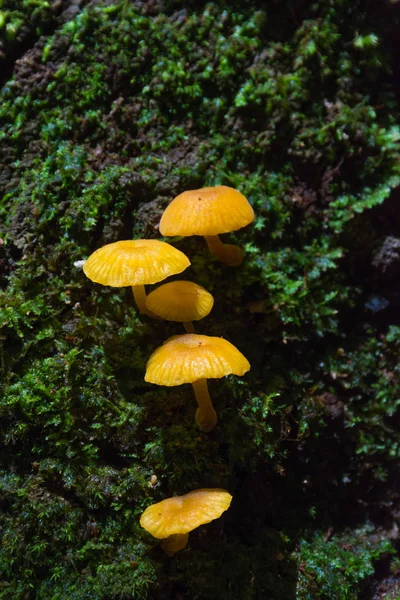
{"type": "Point", "coordinates": [122, 108]}
{"type": "Point", "coordinates": [369, 372]}
{"type": "Point", "coordinates": [15, 15]}
{"type": "Point", "coordinates": [63, 541]}
{"type": "Point", "coordinates": [335, 569]}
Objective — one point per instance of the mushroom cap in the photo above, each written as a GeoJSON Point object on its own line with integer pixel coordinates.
{"type": "Point", "coordinates": [207, 211]}
{"type": "Point", "coordinates": [182, 514]}
{"type": "Point", "coordinates": [180, 301]}
{"type": "Point", "coordinates": [134, 262]}
{"type": "Point", "coordinates": [189, 357]}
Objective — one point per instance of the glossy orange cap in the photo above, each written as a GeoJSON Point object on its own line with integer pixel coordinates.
{"type": "Point", "coordinates": [189, 357]}
{"type": "Point", "coordinates": [182, 514]}
{"type": "Point", "coordinates": [207, 211]}
{"type": "Point", "coordinates": [134, 262]}
{"type": "Point", "coordinates": [180, 301]}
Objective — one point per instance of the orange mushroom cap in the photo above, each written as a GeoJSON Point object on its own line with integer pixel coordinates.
{"type": "Point", "coordinates": [134, 262]}
{"type": "Point", "coordinates": [182, 514]}
{"type": "Point", "coordinates": [207, 211]}
{"type": "Point", "coordinates": [189, 357]}
{"type": "Point", "coordinates": [180, 301]}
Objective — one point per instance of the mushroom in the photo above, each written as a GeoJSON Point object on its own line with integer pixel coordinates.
{"type": "Point", "coordinates": [172, 519]}
{"type": "Point", "coordinates": [209, 211]}
{"type": "Point", "coordinates": [181, 301]}
{"type": "Point", "coordinates": [193, 358]}
{"type": "Point", "coordinates": [135, 263]}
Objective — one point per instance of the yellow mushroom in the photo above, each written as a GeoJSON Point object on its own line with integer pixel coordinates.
{"type": "Point", "coordinates": [193, 358]}
{"type": "Point", "coordinates": [135, 263]}
{"type": "Point", "coordinates": [181, 301]}
{"type": "Point", "coordinates": [171, 520]}
{"type": "Point", "coordinates": [209, 211]}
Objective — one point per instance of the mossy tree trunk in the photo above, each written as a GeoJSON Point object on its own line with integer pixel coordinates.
{"type": "Point", "coordinates": [112, 109]}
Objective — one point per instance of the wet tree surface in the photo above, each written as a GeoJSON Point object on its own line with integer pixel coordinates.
{"type": "Point", "coordinates": [108, 110]}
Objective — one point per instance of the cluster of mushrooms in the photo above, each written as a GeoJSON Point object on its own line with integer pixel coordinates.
{"type": "Point", "coordinates": [186, 358]}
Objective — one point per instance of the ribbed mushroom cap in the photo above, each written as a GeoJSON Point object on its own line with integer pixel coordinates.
{"type": "Point", "coordinates": [180, 301]}
{"type": "Point", "coordinates": [189, 357]}
{"type": "Point", "coordinates": [134, 262]}
{"type": "Point", "coordinates": [207, 211]}
{"type": "Point", "coordinates": [182, 514]}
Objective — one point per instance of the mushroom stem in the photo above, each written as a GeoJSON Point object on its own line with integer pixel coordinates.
{"type": "Point", "coordinates": [206, 417]}
{"type": "Point", "coordinates": [139, 295]}
{"type": "Point", "coordinates": [229, 254]}
{"type": "Point", "coordinates": [188, 325]}
{"type": "Point", "coordinates": [174, 542]}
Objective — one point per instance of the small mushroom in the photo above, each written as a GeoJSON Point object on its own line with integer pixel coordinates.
{"type": "Point", "coordinates": [209, 211]}
{"type": "Point", "coordinates": [135, 263]}
{"type": "Point", "coordinates": [171, 520]}
{"type": "Point", "coordinates": [193, 358]}
{"type": "Point", "coordinates": [181, 301]}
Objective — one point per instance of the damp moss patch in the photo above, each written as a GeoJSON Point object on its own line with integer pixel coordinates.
{"type": "Point", "coordinates": [106, 118]}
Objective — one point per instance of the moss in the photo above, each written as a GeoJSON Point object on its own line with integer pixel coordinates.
{"type": "Point", "coordinates": [335, 568]}
{"type": "Point", "coordinates": [110, 115]}
{"type": "Point", "coordinates": [62, 541]}
{"type": "Point", "coordinates": [369, 373]}
{"type": "Point", "coordinates": [19, 15]}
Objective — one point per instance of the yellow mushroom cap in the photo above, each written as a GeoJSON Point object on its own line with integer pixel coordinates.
{"type": "Point", "coordinates": [207, 211]}
{"type": "Point", "coordinates": [182, 514]}
{"type": "Point", "coordinates": [189, 357]}
{"type": "Point", "coordinates": [180, 301]}
{"type": "Point", "coordinates": [134, 262]}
